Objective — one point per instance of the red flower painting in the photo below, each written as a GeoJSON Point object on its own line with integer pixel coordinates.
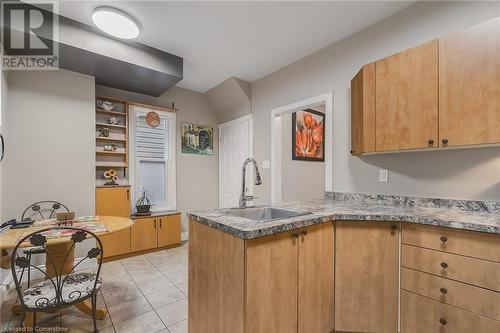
{"type": "Point", "coordinates": [308, 128]}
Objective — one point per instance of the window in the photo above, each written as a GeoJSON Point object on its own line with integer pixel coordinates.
{"type": "Point", "coordinates": [154, 157]}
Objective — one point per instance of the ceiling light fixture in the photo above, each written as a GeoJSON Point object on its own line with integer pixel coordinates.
{"type": "Point", "coordinates": [115, 22]}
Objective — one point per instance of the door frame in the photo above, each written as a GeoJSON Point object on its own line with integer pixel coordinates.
{"type": "Point", "coordinates": [276, 156]}
{"type": "Point", "coordinates": [248, 118]}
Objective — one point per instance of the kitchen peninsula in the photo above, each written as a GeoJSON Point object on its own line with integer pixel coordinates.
{"type": "Point", "coordinates": [438, 260]}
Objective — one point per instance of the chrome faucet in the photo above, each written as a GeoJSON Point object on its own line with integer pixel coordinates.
{"type": "Point", "coordinates": [258, 181]}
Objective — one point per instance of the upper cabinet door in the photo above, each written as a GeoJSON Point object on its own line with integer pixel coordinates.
{"type": "Point", "coordinates": [406, 93]}
{"type": "Point", "coordinates": [469, 86]}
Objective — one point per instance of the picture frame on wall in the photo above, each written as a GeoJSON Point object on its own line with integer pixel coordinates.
{"type": "Point", "coordinates": [197, 139]}
{"type": "Point", "coordinates": [308, 139]}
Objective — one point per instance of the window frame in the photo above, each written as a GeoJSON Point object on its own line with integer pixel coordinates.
{"type": "Point", "coordinates": [170, 163]}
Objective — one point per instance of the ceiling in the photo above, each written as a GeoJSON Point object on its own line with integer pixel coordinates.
{"type": "Point", "coordinates": [247, 40]}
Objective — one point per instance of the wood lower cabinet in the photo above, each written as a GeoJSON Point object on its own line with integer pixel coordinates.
{"type": "Point", "coordinates": [406, 93]}
{"type": "Point", "coordinates": [143, 234]}
{"type": "Point", "coordinates": [469, 86]}
{"type": "Point", "coordinates": [366, 277]}
{"type": "Point", "coordinates": [114, 201]}
{"type": "Point", "coordinates": [278, 283]}
{"type": "Point", "coordinates": [169, 230]}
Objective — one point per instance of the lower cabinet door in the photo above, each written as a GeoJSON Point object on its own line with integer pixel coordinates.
{"type": "Point", "coordinates": [271, 283]}
{"type": "Point", "coordinates": [366, 277]}
{"type": "Point", "coordinates": [315, 291]}
{"type": "Point", "coordinates": [143, 234]}
{"type": "Point", "coordinates": [169, 231]}
{"type": "Point", "coordinates": [422, 315]}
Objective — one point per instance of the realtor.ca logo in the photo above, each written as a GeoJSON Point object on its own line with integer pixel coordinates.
{"type": "Point", "coordinates": [28, 36]}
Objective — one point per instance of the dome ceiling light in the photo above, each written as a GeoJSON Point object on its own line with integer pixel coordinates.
{"type": "Point", "coordinates": [115, 22]}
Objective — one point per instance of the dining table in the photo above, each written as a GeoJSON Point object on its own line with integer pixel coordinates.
{"type": "Point", "coordinates": [58, 248]}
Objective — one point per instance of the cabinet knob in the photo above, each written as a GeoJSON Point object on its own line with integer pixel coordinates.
{"type": "Point", "coordinates": [444, 141]}
{"type": "Point", "coordinates": [303, 232]}
{"type": "Point", "coordinates": [295, 235]}
{"type": "Point", "coordinates": [444, 265]}
{"type": "Point", "coordinates": [443, 291]}
{"type": "Point", "coordinates": [431, 142]}
{"type": "Point", "coordinates": [444, 239]}
{"type": "Point", "coordinates": [443, 321]}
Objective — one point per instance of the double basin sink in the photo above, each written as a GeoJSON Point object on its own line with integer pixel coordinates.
{"type": "Point", "coordinates": [264, 214]}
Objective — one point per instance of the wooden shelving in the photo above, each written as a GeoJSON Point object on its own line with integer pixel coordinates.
{"type": "Point", "coordinates": [117, 136]}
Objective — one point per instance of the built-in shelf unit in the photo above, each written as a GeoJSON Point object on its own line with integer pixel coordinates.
{"type": "Point", "coordinates": [111, 134]}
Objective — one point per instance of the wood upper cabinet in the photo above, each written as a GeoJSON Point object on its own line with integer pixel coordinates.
{"type": "Point", "coordinates": [169, 230]}
{"type": "Point", "coordinates": [289, 281]}
{"type": "Point", "coordinates": [113, 201]}
{"type": "Point", "coordinates": [363, 111]}
{"type": "Point", "coordinates": [143, 234]}
{"type": "Point", "coordinates": [469, 86]}
{"type": "Point", "coordinates": [406, 94]}
{"type": "Point", "coordinates": [366, 277]}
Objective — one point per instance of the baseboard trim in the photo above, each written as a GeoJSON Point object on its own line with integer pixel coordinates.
{"type": "Point", "coordinates": [137, 253]}
{"type": "Point", "coordinates": [184, 236]}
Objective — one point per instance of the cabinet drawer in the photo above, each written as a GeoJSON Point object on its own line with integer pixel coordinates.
{"type": "Point", "coordinates": [468, 243]}
{"type": "Point", "coordinates": [474, 299]}
{"type": "Point", "coordinates": [477, 272]}
{"type": "Point", "coordinates": [422, 315]}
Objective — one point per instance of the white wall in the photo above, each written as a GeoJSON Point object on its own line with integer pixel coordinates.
{"type": "Point", "coordinates": [470, 174]}
{"type": "Point", "coordinates": [197, 175]}
{"type": "Point", "coordinates": [48, 128]}
{"type": "Point", "coordinates": [301, 180]}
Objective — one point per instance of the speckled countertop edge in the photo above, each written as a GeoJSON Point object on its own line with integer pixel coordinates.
{"type": "Point", "coordinates": [351, 209]}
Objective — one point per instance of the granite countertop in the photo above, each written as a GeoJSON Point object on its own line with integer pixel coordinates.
{"type": "Point", "coordinates": [459, 214]}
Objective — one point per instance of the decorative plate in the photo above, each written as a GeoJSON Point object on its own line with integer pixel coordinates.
{"type": "Point", "coordinates": [152, 119]}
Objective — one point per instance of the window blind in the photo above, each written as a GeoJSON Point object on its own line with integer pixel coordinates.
{"type": "Point", "coordinates": [151, 142]}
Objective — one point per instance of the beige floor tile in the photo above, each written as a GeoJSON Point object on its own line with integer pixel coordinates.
{"type": "Point", "coordinates": [173, 313]}
{"type": "Point", "coordinates": [165, 296]}
{"type": "Point", "coordinates": [147, 275]}
{"type": "Point", "coordinates": [172, 268]}
{"type": "Point", "coordinates": [73, 311]}
{"type": "Point", "coordinates": [180, 327]}
{"type": "Point", "coordinates": [126, 292]}
{"type": "Point", "coordinates": [163, 260]}
{"type": "Point", "coordinates": [154, 284]}
{"type": "Point", "coordinates": [178, 277]}
{"type": "Point", "coordinates": [129, 309]}
{"type": "Point", "coordinates": [183, 287]}
{"type": "Point", "coordinates": [148, 322]}
{"type": "Point", "coordinates": [83, 324]}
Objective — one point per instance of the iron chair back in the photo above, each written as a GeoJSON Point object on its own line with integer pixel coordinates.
{"type": "Point", "coordinates": [58, 281]}
{"type": "Point", "coordinates": [40, 209]}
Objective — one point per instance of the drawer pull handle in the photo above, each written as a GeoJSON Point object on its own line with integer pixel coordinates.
{"type": "Point", "coordinates": [444, 265]}
{"type": "Point", "coordinates": [443, 291]}
{"type": "Point", "coordinates": [443, 321]}
{"type": "Point", "coordinates": [444, 239]}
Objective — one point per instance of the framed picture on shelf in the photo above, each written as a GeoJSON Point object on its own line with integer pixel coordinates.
{"type": "Point", "coordinates": [308, 128]}
{"type": "Point", "coordinates": [197, 139]}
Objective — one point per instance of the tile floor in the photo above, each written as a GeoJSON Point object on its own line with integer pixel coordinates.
{"type": "Point", "coordinates": [143, 294]}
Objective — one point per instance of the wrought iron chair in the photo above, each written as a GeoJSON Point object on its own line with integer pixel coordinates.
{"type": "Point", "coordinates": [41, 210]}
{"type": "Point", "coordinates": [62, 286]}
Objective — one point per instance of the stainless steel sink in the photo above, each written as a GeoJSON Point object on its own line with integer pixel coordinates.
{"type": "Point", "coordinates": [263, 214]}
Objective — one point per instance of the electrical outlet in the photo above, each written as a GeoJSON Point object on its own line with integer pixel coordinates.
{"type": "Point", "coordinates": [383, 175]}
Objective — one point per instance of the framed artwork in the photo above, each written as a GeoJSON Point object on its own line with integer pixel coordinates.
{"type": "Point", "coordinates": [308, 128]}
{"type": "Point", "coordinates": [197, 139]}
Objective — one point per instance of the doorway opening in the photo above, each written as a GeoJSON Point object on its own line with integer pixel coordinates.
{"type": "Point", "coordinates": [294, 178]}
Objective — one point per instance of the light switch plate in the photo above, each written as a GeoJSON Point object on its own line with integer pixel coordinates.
{"type": "Point", "coordinates": [266, 164]}
{"type": "Point", "coordinates": [383, 175]}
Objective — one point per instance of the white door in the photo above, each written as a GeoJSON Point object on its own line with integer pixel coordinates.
{"type": "Point", "coordinates": [236, 145]}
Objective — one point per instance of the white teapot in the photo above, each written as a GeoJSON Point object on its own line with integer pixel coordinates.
{"type": "Point", "coordinates": [105, 105]}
